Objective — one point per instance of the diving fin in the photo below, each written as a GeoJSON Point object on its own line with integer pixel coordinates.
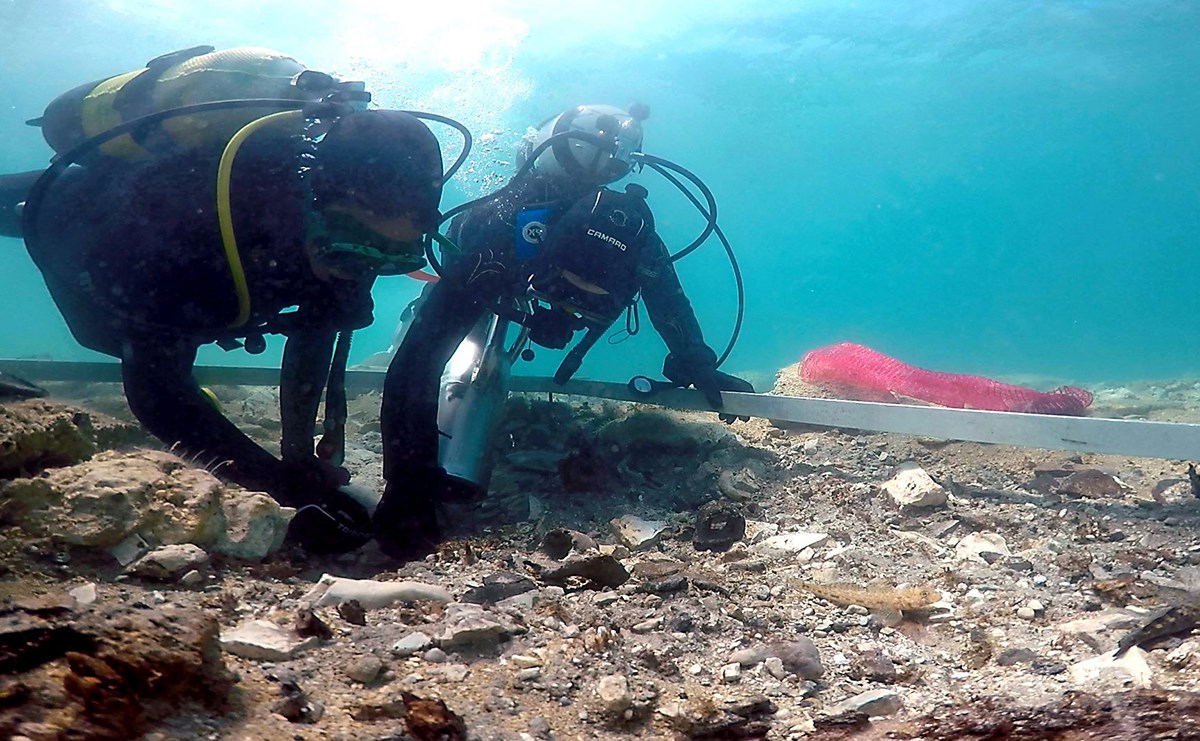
{"type": "Point", "coordinates": [15, 387]}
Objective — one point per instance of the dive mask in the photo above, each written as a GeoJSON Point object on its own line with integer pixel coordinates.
{"type": "Point", "coordinates": [349, 245]}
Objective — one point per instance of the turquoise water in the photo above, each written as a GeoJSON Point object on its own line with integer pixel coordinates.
{"type": "Point", "coordinates": [1008, 188]}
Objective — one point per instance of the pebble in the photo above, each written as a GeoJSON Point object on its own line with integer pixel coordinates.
{"type": "Point", "coordinates": [530, 674]}
{"type": "Point", "coordinates": [731, 673]}
{"type": "Point", "coordinates": [435, 656]}
{"type": "Point", "coordinates": [775, 667]}
{"type": "Point", "coordinates": [525, 662]}
{"type": "Point", "coordinates": [365, 669]}
{"type": "Point", "coordinates": [1026, 613]}
{"type": "Point", "coordinates": [84, 594]}
{"type": "Point", "coordinates": [874, 703]}
{"type": "Point", "coordinates": [410, 644]}
{"type": "Point", "coordinates": [192, 578]}
{"type": "Point", "coordinates": [613, 692]}
{"type": "Point", "coordinates": [647, 625]}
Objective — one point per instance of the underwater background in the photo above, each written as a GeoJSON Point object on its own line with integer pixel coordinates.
{"type": "Point", "coordinates": [1008, 188]}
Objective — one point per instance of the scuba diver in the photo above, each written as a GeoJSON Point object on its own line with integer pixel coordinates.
{"type": "Point", "coordinates": [315, 196]}
{"type": "Point", "coordinates": [558, 252]}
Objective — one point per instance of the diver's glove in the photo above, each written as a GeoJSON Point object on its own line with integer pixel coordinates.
{"type": "Point", "coordinates": [708, 381]}
{"type": "Point", "coordinates": [336, 524]}
{"type": "Point", "coordinates": [327, 520]}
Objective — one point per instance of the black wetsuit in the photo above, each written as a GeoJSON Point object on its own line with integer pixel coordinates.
{"type": "Point", "coordinates": [133, 257]}
{"type": "Point", "coordinates": [473, 284]}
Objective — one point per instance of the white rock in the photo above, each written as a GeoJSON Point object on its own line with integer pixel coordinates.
{"type": "Point", "coordinates": [636, 533]}
{"type": "Point", "coordinates": [265, 641]}
{"type": "Point", "coordinates": [757, 531]}
{"type": "Point", "coordinates": [1131, 670]}
{"type": "Point", "coordinates": [169, 561]}
{"type": "Point", "coordinates": [775, 668]}
{"type": "Point", "coordinates": [470, 625]}
{"type": "Point", "coordinates": [911, 486]}
{"type": "Point", "coordinates": [84, 594]}
{"type": "Point", "coordinates": [365, 669]}
{"type": "Point", "coordinates": [731, 673]}
{"type": "Point", "coordinates": [192, 578]}
{"type": "Point", "coordinates": [973, 545]}
{"type": "Point", "coordinates": [873, 702]}
{"type": "Point", "coordinates": [413, 643]}
{"type": "Point", "coordinates": [1026, 613]}
{"type": "Point", "coordinates": [255, 525]}
{"type": "Point", "coordinates": [372, 595]}
{"type": "Point", "coordinates": [791, 542]}
{"type": "Point", "coordinates": [525, 662]}
{"type": "Point", "coordinates": [613, 691]}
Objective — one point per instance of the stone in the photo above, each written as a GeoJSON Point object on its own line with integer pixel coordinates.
{"type": "Point", "coordinates": [636, 533]}
{"type": "Point", "coordinates": [146, 496]}
{"type": "Point", "coordinates": [1090, 629]}
{"type": "Point", "coordinates": [746, 657]}
{"type": "Point", "coordinates": [309, 625]}
{"type": "Point", "coordinates": [352, 612]}
{"type": "Point", "coordinates": [370, 594]}
{"type": "Point", "coordinates": [973, 546]}
{"type": "Point", "coordinates": [529, 674]}
{"type": "Point", "coordinates": [192, 579]}
{"type": "Point", "coordinates": [365, 669]}
{"type": "Point", "coordinates": [497, 587]}
{"type": "Point", "coordinates": [1106, 672]}
{"type": "Point", "coordinates": [255, 526]}
{"type": "Point", "coordinates": [169, 561]}
{"type": "Point", "coordinates": [597, 570]}
{"type": "Point", "coordinates": [413, 643]}
{"type": "Point", "coordinates": [1014, 656]}
{"type": "Point", "coordinates": [41, 434]}
{"type": "Point", "coordinates": [114, 670]}
{"type": "Point", "coordinates": [758, 531]}
{"type": "Point", "coordinates": [718, 526]}
{"type": "Point", "coordinates": [263, 640]}
{"type": "Point", "coordinates": [1026, 613]}
{"type": "Point", "coordinates": [84, 594]}
{"type": "Point", "coordinates": [774, 666]}
{"type": "Point", "coordinates": [911, 486]}
{"type": "Point", "coordinates": [731, 673]}
{"type": "Point", "coordinates": [524, 662]}
{"type": "Point", "coordinates": [791, 542]}
{"type": "Point", "coordinates": [558, 543]}
{"type": "Point", "coordinates": [435, 655]}
{"type": "Point", "coordinates": [613, 693]}
{"type": "Point", "coordinates": [1095, 484]}
{"type": "Point", "coordinates": [470, 626]}
{"type": "Point", "coordinates": [800, 656]}
{"type": "Point", "coordinates": [874, 703]}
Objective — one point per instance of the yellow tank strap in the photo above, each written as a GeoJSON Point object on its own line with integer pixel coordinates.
{"type": "Point", "coordinates": [225, 213]}
{"type": "Point", "coordinates": [211, 397]}
{"type": "Point", "coordinates": [97, 114]}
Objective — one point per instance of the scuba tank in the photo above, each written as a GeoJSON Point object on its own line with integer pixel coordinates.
{"type": "Point", "coordinates": [182, 78]}
{"type": "Point", "coordinates": [474, 388]}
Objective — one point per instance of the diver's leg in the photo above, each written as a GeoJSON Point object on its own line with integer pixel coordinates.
{"type": "Point", "coordinates": [13, 189]}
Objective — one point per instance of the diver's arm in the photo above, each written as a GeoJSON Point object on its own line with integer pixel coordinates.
{"type": "Point", "coordinates": [166, 399]}
{"type": "Point", "coordinates": [690, 362]}
{"type": "Point", "coordinates": [671, 312]}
